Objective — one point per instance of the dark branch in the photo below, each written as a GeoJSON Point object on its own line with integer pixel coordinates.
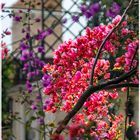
{"type": "Point", "coordinates": [91, 89]}
{"type": "Point", "coordinates": [133, 57]}
{"type": "Point", "coordinates": [121, 78]}
{"type": "Point", "coordinates": [122, 85]}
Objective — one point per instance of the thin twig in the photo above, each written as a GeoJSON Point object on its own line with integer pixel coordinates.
{"type": "Point", "coordinates": [122, 85]}
{"type": "Point", "coordinates": [133, 57]}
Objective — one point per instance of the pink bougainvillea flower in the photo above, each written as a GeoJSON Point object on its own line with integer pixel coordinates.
{"type": "Point", "coordinates": [114, 95]}
{"type": "Point", "coordinates": [77, 76]}
{"type": "Point", "coordinates": [116, 20]}
{"type": "Point", "coordinates": [70, 77]}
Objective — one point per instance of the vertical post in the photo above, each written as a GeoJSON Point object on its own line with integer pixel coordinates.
{"type": "Point", "coordinates": [18, 128]}
{"type": "Point", "coordinates": [42, 24]}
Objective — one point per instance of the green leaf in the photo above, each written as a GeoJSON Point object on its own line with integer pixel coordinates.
{"type": "Point", "coordinates": [27, 112]}
{"type": "Point", "coordinates": [40, 113]}
{"type": "Point", "coordinates": [108, 3]}
{"type": "Point", "coordinates": [33, 118]}
{"type": "Point", "coordinates": [87, 136]}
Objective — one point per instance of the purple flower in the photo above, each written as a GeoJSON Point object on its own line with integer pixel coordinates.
{"type": "Point", "coordinates": [95, 138]}
{"type": "Point", "coordinates": [31, 54]}
{"type": "Point", "coordinates": [114, 10]}
{"type": "Point", "coordinates": [30, 75]}
{"type": "Point", "coordinates": [43, 34]}
{"type": "Point", "coordinates": [17, 18]}
{"type": "Point", "coordinates": [2, 5]}
{"type": "Point", "coordinates": [48, 101]}
{"type": "Point", "coordinates": [41, 49]}
{"type": "Point", "coordinates": [94, 8]}
{"type": "Point", "coordinates": [38, 98]}
{"type": "Point", "coordinates": [46, 77]}
{"type": "Point", "coordinates": [26, 66]}
{"type": "Point", "coordinates": [40, 120]}
{"type": "Point", "coordinates": [23, 30]}
{"type": "Point", "coordinates": [75, 18]}
{"type": "Point", "coordinates": [37, 63]}
{"type": "Point", "coordinates": [88, 14]}
{"type": "Point", "coordinates": [46, 80]}
{"type": "Point", "coordinates": [27, 36]}
{"type": "Point", "coordinates": [49, 31]}
{"type": "Point", "coordinates": [46, 84]}
{"type": "Point", "coordinates": [37, 19]}
{"type": "Point", "coordinates": [110, 13]}
{"type": "Point", "coordinates": [41, 64]}
{"type": "Point", "coordinates": [23, 46]}
{"type": "Point", "coordinates": [33, 107]}
{"type": "Point", "coordinates": [29, 86]}
{"type": "Point", "coordinates": [24, 56]}
{"type": "Point", "coordinates": [64, 20]}
{"type": "Point", "coordinates": [44, 107]}
{"type": "Point", "coordinates": [36, 72]}
{"type": "Point", "coordinates": [83, 8]}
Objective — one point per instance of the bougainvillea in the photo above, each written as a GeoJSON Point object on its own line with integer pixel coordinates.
{"type": "Point", "coordinates": [4, 50]}
{"type": "Point", "coordinates": [69, 76]}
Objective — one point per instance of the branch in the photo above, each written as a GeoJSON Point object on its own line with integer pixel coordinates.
{"type": "Point", "coordinates": [122, 85]}
{"type": "Point", "coordinates": [121, 78]}
{"type": "Point", "coordinates": [104, 41]}
{"type": "Point", "coordinates": [90, 90]}
{"type": "Point", "coordinates": [133, 57]}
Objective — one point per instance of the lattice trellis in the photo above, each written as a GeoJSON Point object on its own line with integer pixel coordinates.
{"type": "Point", "coordinates": [57, 13]}
{"type": "Point", "coordinates": [52, 13]}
